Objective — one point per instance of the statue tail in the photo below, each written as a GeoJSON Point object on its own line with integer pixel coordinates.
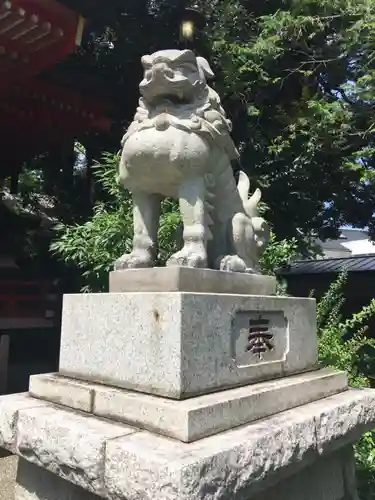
{"type": "Point", "coordinates": [261, 229]}
{"type": "Point", "coordinates": [250, 204]}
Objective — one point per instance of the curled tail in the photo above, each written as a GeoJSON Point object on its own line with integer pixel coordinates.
{"type": "Point", "coordinates": [261, 229]}
{"type": "Point", "coordinates": [250, 204]}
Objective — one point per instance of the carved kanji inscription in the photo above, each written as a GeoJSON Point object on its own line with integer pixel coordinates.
{"type": "Point", "coordinates": [259, 337]}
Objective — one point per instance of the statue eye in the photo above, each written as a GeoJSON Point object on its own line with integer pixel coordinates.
{"type": "Point", "coordinates": [148, 74]}
{"type": "Point", "coordinates": [187, 68]}
{"type": "Point", "coordinates": [169, 73]}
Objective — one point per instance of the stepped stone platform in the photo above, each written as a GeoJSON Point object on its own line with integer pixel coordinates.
{"type": "Point", "coordinates": [305, 451]}
{"type": "Point", "coordinates": [194, 418]}
{"type": "Point", "coordinates": [187, 394]}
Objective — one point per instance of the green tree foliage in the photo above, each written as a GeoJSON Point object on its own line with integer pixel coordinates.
{"type": "Point", "coordinates": [343, 344]}
{"type": "Point", "coordinates": [365, 461]}
{"type": "Point", "coordinates": [297, 78]}
{"type": "Point", "coordinates": [278, 253]}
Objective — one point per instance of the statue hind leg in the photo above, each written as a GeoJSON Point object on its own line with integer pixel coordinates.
{"type": "Point", "coordinates": [244, 241]}
{"type": "Point", "coordinates": [146, 212]}
{"type": "Point", "coordinates": [240, 239]}
{"type": "Point", "coordinates": [222, 254]}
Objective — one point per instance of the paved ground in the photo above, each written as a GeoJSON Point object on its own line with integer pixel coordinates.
{"type": "Point", "coordinates": [8, 471]}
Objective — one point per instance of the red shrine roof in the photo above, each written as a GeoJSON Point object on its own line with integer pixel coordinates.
{"type": "Point", "coordinates": [34, 114]}
{"type": "Point", "coordinates": [39, 115]}
{"type": "Point", "coordinates": [34, 34]}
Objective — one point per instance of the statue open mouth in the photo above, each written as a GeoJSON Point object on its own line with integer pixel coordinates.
{"type": "Point", "coordinates": [172, 98]}
{"type": "Point", "coordinates": [176, 92]}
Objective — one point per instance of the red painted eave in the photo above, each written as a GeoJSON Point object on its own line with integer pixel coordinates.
{"type": "Point", "coordinates": [35, 34]}
{"type": "Point", "coordinates": [39, 115]}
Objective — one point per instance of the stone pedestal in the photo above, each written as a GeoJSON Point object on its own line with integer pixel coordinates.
{"type": "Point", "coordinates": [330, 478]}
{"type": "Point", "coordinates": [184, 394]}
{"type": "Point", "coordinates": [180, 344]}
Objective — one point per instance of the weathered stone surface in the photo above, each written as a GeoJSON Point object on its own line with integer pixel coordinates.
{"type": "Point", "coordinates": [189, 279]}
{"type": "Point", "coordinates": [342, 419]}
{"type": "Point", "coordinates": [204, 416]}
{"type": "Point", "coordinates": [67, 443]}
{"type": "Point", "coordinates": [35, 483]}
{"type": "Point", "coordinates": [231, 463]}
{"type": "Point", "coordinates": [128, 340]}
{"type": "Point", "coordinates": [184, 344]}
{"type": "Point", "coordinates": [9, 409]}
{"type": "Point", "coordinates": [193, 418]}
{"type": "Point", "coordinates": [63, 390]}
{"type": "Point", "coordinates": [234, 464]}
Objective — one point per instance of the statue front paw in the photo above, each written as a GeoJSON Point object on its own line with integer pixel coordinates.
{"type": "Point", "coordinates": [189, 256]}
{"type": "Point", "coordinates": [133, 260]}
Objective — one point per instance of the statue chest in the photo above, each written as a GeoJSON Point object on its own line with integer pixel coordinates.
{"type": "Point", "coordinates": [161, 159]}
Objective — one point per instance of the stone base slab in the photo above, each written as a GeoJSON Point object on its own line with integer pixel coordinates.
{"type": "Point", "coordinates": [193, 418]}
{"type": "Point", "coordinates": [329, 478]}
{"type": "Point", "coordinates": [118, 462]}
{"type": "Point", "coordinates": [187, 279]}
{"type": "Point", "coordinates": [181, 345]}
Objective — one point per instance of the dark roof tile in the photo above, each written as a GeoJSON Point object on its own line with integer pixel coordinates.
{"type": "Point", "coordinates": [351, 264]}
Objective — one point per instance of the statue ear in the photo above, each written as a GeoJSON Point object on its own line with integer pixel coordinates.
{"type": "Point", "coordinates": [205, 67]}
{"type": "Point", "coordinates": [146, 62]}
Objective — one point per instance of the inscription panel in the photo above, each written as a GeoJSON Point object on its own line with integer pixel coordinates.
{"type": "Point", "coordinates": [259, 337]}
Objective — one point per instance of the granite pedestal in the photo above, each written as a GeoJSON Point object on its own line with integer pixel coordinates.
{"type": "Point", "coordinates": [181, 344]}
{"type": "Point", "coordinates": [254, 461]}
{"type": "Point", "coordinates": [187, 394]}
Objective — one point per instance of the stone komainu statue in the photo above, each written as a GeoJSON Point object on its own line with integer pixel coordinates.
{"type": "Point", "coordinates": [179, 145]}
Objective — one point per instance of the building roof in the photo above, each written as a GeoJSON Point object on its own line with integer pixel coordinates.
{"type": "Point", "coordinates": [351, 242]}
{"type": "Point", "coordinates": [34, 35]}
{"type": "Point", "coordinates": [324, 266]}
